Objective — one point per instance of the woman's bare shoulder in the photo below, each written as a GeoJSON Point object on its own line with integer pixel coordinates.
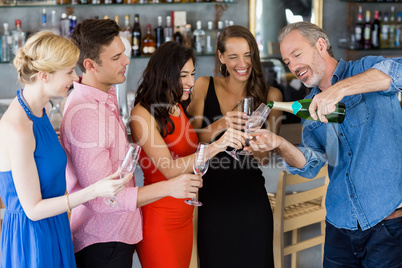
{"type": "Point", "coordinates": [15, 126]}
{"type": "Point", "coordinates": [274, 94]}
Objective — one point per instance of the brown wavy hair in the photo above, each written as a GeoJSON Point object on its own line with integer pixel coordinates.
{"type": "Point", "coordinates": [161, 87]}
{"type": "Point", "coordinates": [256, 86]}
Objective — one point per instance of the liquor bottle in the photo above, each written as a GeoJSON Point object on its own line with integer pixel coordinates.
{"type": "Point", "coordinates": [160, 38]}
{"type": "Point", "coordinates": [219, 30]}
{"type": "Point", "coordinates": [148, 43]}
{"type": "Point", "coordinates": [300, 108]}
{"type": "Point", "coordinates": [359, 27]}
{"type": "Point", "coordinates": [375, 34]}
{"type": "Point", "coordinates": [6, 44]}
{"type": "Point", "coordinates": [398, 34]}
{"type": "Point", "coordinates": [127, 29]}
{"type": "Point", "coordinates": [168, 29]}
{"type": "Point", "coordinates": [367, 42]}
{"type": "Point", "coordinates": [117, 19]}
{"type": "Point", "coordinates": [210, 36]}
{"type": "Point", "coordinates": [54, 25]}
{"type": "Point", "coordinates": [73, 23]}
{"type": "Point", "coordinates": [384, 32]}
{"type": "Point", "coordinates": [18, 37]}
{"type": "Point", "coordinates": [188, 37]}
{"type": "Point", "coordinates": [44, 20]}
{"type": "Point", "coordinates": [199, 38]}
{"type": "Point", "coordinates": [65, 26]}
{"type": "Point", "coordinates": [392, 29]}
{"type": "Point", "coordinates": [136, 36]}
{"type": "Point", "coordinates": [177, 36]}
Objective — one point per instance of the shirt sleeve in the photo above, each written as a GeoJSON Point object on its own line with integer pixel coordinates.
{"type": "Point", "coordinates": [393, 68]}
{"type": "Point", "coordinates": [314, 153]}
{"type": "Point", "coordinates": [91, 158]}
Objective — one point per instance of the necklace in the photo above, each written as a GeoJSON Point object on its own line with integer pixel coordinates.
{"type": "Point", "coordinates": [175, 110]}
{"type": "Point", "coordinates": [23, 102]}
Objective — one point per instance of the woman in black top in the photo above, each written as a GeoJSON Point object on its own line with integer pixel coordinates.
{"type": "Point", "coordinates": [235, 225]}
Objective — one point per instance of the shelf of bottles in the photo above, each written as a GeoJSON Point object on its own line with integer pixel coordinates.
{"type": "Point", "coordinates": [372, 1]}
{"type": "Point", "coordinates": [373, 27]}
{"type": "Point", "coordinates": [91, 3]}
{"type": "Point", "coordinates": [202, 38]}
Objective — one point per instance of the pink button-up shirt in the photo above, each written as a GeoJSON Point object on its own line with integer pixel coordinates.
{"type": "Point", "coordinates": [95, 140]}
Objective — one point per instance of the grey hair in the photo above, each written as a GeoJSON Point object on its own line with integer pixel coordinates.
{"type": "Point", "coordinates": [309, 31]}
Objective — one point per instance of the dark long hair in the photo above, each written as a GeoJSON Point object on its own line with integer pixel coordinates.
{"type": "Point", "coordinates": [256, 85]}
{"type": "Point", "coordinates": [161, 87]}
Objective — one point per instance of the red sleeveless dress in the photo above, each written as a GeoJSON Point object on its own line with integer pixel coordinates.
{"type": "Point", "coordinates": [168, 222]}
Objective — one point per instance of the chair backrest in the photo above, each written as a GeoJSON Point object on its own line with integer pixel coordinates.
{"type": "Point", "coordinates": [294, 210]}
{"type": "Point", "coordinates": [310, 191]}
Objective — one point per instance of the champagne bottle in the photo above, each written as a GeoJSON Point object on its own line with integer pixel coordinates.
{"type": "Point", "coordinates": [300, 108]}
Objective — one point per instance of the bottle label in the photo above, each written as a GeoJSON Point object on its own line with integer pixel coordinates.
{"type": "Point", "coordinates": [296, 106]}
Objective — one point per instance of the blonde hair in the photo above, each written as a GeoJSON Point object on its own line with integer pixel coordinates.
{"type": "Point", "coordinates": [46, 52]}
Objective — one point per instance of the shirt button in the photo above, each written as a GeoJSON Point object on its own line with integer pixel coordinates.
{"type": "Point", "coordinates": [109, 96]}
{"type": "Point", "coordinates": [350, 154]}
{"type": "Point", "coordinates": [113, 109]}
{"type": "Point", "coordinates": [341, 134]}
{"type": "Point", "coordinates": [347, 174]}
{"type": "Point", "coordinates": [351, 196]}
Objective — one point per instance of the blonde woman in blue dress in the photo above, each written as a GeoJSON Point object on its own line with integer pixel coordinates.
{"type": "Point", "coordinates": [36, 231]}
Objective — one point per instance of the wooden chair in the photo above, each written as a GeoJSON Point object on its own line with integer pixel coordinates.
{"type": "Point", "coordinates": [292, 211]}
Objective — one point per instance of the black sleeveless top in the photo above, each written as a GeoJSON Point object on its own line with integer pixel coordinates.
{"type": "Point", "coordinates": [235, 221]}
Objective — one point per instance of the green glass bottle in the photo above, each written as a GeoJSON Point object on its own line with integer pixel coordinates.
{"type": "Point", "coordinates": [300, 108]}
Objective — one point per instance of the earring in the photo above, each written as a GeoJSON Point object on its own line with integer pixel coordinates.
{"type": "Point", "coordinates": [226, 70]}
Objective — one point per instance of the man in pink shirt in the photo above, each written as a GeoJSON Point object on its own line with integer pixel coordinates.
{"type": "Point", "coordinates": [95, 140]}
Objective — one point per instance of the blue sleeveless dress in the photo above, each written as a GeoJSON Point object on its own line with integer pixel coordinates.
{"type": "Point", "coordinates": [44, 243]}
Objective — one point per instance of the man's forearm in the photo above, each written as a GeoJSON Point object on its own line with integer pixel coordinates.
{"type": "Point", "coordinates": [291, 154]}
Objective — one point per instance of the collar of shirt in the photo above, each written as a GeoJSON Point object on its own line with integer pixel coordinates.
{"type": "Point", "coordinates": [95, 93]}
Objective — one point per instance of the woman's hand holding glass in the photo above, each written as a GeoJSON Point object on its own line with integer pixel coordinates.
{"type": "Point", "coordinates": [231, 138]}
{"type": "Point", "coordinates": [109, 186]}
{"type": "Point", "coordinates": [243, 110]}
{"type": "Point", "coordinates": [184, 186]}
{"type": "Point", "coordinates": [127, 166]}
{"type": "Point", "coordinates": [200, 167]}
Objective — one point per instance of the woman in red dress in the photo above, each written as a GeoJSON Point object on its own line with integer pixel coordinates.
{"type": "Point", "coordinates": [160, 125]}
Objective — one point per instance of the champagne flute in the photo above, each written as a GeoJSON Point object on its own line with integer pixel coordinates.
{"type": "Point", "coordinates": [55, 115]}
{"type": "Point", "coordinates": [256, 121]}
{"type": "Point", "coordinates": [200, 167]}
{"type": "Point", "coordinates": [127, 166]}
{"type": "Point", "coordinates": [246, 106]}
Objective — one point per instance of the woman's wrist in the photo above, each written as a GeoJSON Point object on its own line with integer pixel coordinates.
{"type": "Point", "coordinates": [215, 148]}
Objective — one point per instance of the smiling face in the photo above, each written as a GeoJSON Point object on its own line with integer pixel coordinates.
{"type": "Point", "coordinates": [113, 64]}
{"type": "Point", "coordinates": [187, 78]}
{"type": "Point", "coordinates": [303, 59]}
{"type": "Point", "coordinates": [59, 82]}
{"type": "Point", "coordinates": [237, 57]}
